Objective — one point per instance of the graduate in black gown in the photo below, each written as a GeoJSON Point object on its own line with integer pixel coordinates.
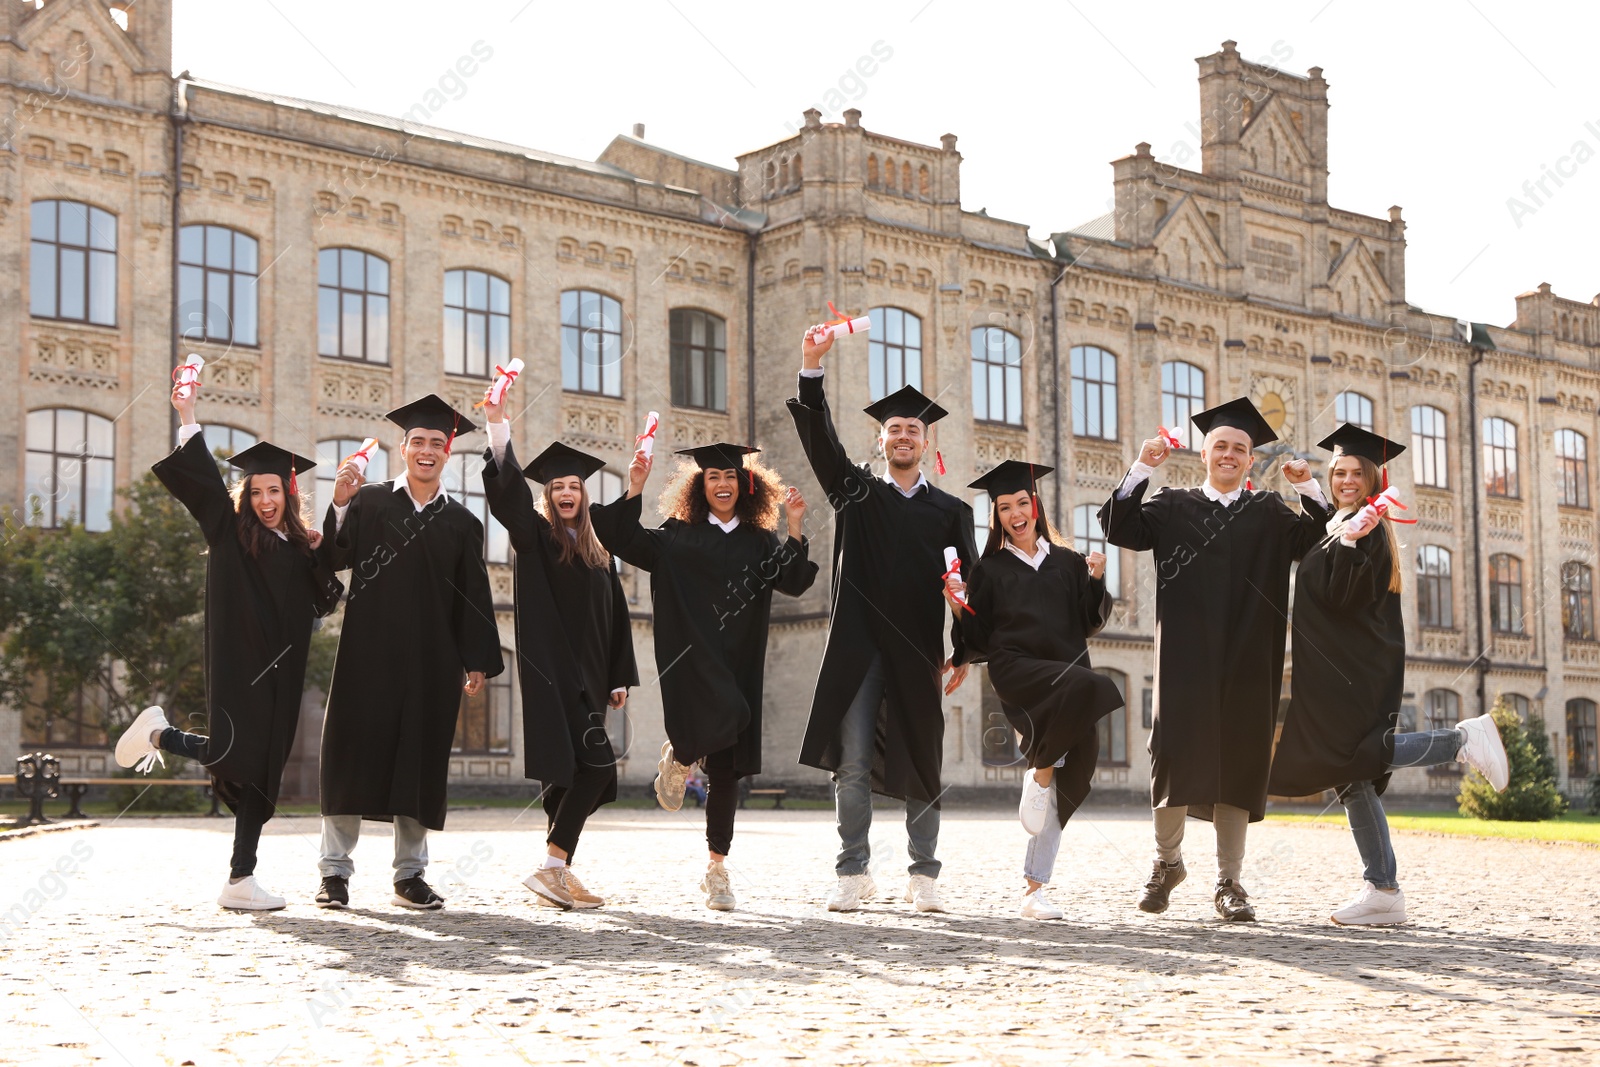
{"type": "Point", "coordinates": [714, 564]}
{"type": "Point", "coordinates": [1222, 557]}
{"type": "Point", "coordinates": [265, 587]}
{"type": "Point", "coordinates": [418, 631]}
{"type": "Point", "coordinates": [574, 644]}
{"type": "Point", "coordinates": [1349, 676]}
{"type": "Point", "coordinates": [1032, 604]}
{"type": "Point", "coordinates": [877, 717]}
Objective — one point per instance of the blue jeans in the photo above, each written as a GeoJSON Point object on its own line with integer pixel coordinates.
{"type": "Point", "coordinates": [1368, 824]}
{"type": "Point", "coordinates": [852, 788]}
{"type": "Point", "coordinates": [1040, 862]}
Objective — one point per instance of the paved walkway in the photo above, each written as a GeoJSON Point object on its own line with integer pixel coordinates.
{"type": "Point", "coordinates": [127, 960]}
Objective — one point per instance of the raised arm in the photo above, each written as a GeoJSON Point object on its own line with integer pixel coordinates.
{"type": "Point", "coordinates": [790, 559]}
{"type": "Point", "coordinates": [510, 497]}
{"type": "Point", "coordinates": [190, 473]}
{"type": "Point", "coordinates": [619, 529]}
{"type": "Point", "coordinates": [1130, 522]}
{"type": "Point", "coordinates": [1310, 525]}
{"type": "Point", "coordinates": [840, 479]}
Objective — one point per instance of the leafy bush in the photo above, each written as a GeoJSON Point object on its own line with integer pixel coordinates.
{"type": "Point", "coordinates": [1533, 794]}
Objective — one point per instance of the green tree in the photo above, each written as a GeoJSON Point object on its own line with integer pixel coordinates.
{"type": "Point", "coordinates": [1532, 794]}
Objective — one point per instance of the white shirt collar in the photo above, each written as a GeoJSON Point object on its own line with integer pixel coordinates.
{"type": "Point", "coordinates": [1222, 498]}
{"type": "Point", "coordinates": [727, 527]}
{"type": "Point", "coordinates": [1037, 559]}
{"type": "Point", "coordinates": [401, 484]}
{"type": "Point", "coordinates": [922, 480]}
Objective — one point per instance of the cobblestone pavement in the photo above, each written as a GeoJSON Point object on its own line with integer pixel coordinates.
{"type": "Point", "coordinates": [127, 960]}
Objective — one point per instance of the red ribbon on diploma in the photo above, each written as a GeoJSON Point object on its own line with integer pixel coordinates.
{"type": "Point", "coordinates": [955, 572]}
{"type": "Point", "coordinates": [840, 318]}
{"type": "Point", "coordinates": [1386, 500]}
{"type": "Point", "coordinates": [1171, 440]}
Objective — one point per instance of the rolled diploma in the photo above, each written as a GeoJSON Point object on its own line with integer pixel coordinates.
{"type": "Point", "coordinates": [952, 562]}
{"type": "Point", "coordinates": [189, 375]}
{"type": "Point", "coordinates": [497, 391]}
{"type": "Point", "coordinates": [363, 454]}
{"type": "Point", "coordinates": [647, 440]}
{"type": "Point", "coordinates": [861, 325]}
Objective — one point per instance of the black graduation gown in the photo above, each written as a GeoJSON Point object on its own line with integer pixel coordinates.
{"type": "Point", "coordinates": [1033, 628]}
{"type": "Point", "coordinates": [258, 630]}
{"type": "Point", "coordinates": [574, 642]}
{"type": "Point", "coordinates": [886, 598]}
{"type": "Point", "coordinates": [1222, 598]}
{"type": "Point", "coordinates": [712, 595]}
{"type": "Point", "coordinates": [1349, 671]}
{"type": "Point", "coordinates": [418, 616]}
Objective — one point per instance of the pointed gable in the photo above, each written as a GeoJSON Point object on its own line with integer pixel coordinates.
{"type": "Point", "coordinates": [1274, 143]}
{"type": "Point", "coordinates": [1186, 248]}
{"type": "Point", "coordinates": [1359, 289]}
{"type": "Point", "coordinates": [75, 45]}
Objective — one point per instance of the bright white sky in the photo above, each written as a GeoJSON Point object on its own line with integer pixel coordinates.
{"type": "Point", "coordinates": [1445, 107]}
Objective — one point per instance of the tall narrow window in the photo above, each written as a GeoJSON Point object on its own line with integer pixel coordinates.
{"type": "Point", "coordinates": [981, 507]}
{"type": "Point", "coordinates": [1577, 601]}
{"type": "Point", "coordinates": [1444, 709]}
{"type": "Point", "coordinates": [1353, 407]}
{"type": "Point", "coordinates": [591, 343]}
{"type": "Point", "coordinates": [1087, 537]}
{"type": "Point", "coordinates": [1429, 465]}
{"type": "Point", "coordinates": [72, 269]}
{"type": "Point", "coordinates": [71, 468]}
{"type": "Point", "coordinates": [1113, 729]}
{"type": "Point", "coordinates": [217, 285]}
{"type": "Point", "coordinates": [1094, 393]}
{"type": "Point", "coordinates": [894, 351]}
{"type": "Point", "coordinates": [1519, 704]}
{"type": "Point", "coordinates": [1505, 594]}
{"type": "Point", "coordinates": [477, 322]}
{"type": "Point", "coordinates": [1572, 474]}
{"type": "Point", "coordinates": [996, 375]}
{"type": "Point", "coordinates": [483, 725]}
{"type": "Point", "coordinates": [1581, 747]}
{"type": "Point", "coordinates": [330, 454]}
{"type": "Point", "coordinates": [463, 480]}
{"type": "Point", "coordinates": [1500, 457]}
{"type": "Point", "coordinates": [1434, 607]}
{"type": "Point", "coordinates": [699, 359]}
{"type": "Point", "coordinates": [1183, 393]}
{"type": "Point", "coordinates": [352, 305]}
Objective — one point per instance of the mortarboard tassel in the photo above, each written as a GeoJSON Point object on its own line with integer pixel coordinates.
{"type": "Point", "coordinates": [1248, 486]}
{"type": "Point", "coordinates": [938, 462]}
{"type": "Point", "coordinates": [1033, 493]}
{"type": "Point", "coordinates": [752, 480]}
{"type": "Point", "coordinates": [456, 425]}
{"type": "Point", "coordinates": [294, 482]}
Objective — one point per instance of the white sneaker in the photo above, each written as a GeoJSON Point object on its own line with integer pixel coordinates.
{"type": "Point", "coordinates": [1035, 806]}
{"type": "Point", "coordinates": [247, 894]}
{"type": "Point", "coordinates": [671, 777]}
{"type": "Point", "coordinates": [718, 890]}
{"type": "Point", "coordinates": [851, 891]}
{"type": "Point", "coordinates": [924, 893]}
{"type": "Point", "coordinates": [1036, 905]}
{"type": "Point", "coordinates": [134, 746]}
{"type": "Point", "coordinates": [1372, 907]}
{"type": "Point", "coordinates": [1484, 752]}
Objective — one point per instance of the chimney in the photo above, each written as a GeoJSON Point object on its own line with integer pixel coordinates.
{"type": "Point", "coordinates": [638, 131]}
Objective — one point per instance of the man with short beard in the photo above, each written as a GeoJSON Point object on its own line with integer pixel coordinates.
{"type": "Point", "coordinates": [1222, 554]}
{"type": "Point", "coordinates": [877, 721]}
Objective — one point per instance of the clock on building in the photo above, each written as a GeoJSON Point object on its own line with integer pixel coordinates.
{"type": "Point", "coordinates": [1274, 398]}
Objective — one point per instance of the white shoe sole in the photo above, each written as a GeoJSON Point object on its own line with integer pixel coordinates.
{"type": "Point", "coordinates": [545, 895]}
{"type": "Point", "coordinates": [843, 905]}
{"type": "Point", "coordinates": [1389, 919]}
{"type": "Point", "coordinates": [251, 905]}
{"type": "Point", "coordinates": [717, 905]}
{"type": "Point", "coordinates": [135, 740]}
{"type": "Point", "coordinates": [1044, 917]}
{"type": "Point", "coordinates": [404, 903]}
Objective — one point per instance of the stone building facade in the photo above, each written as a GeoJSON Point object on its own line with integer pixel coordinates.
{"type": "Point", "coordinates": [330, 264]}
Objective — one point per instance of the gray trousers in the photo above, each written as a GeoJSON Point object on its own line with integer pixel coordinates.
{"type": "Point", "coordinates": [1230, 823]}
{"type": "Point", "coordinates": [341, 832]}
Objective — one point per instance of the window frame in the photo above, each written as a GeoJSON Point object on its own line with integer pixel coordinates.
{"type": "Point", "coordinates": [490, 318]}
{"type": "Point", "coordinates": [1500, 477]}
{"type": "Point", "coordinates": [341, 293]}
{"type": "Point", "coordinates": [468, 490]}
{"type": "Point", "coordinates": [500, 685]}
{"type": "Point", "coordinates": [1506, 594]}
{"type": "Point", "coordinates": [1101, 389]}
{"type": "Point", "coordinates": [92, 254]}
{"type": "Point", "coordinates": [1573, 488]}
{"type": "Point", "coordinates": [1577, 601]}
{"type": "Point", "coordinates": [578, 338]}
{"type": "Point", "coordinates": [713, 353]}
{"type": "Point", "coordinates": [104, 465]}
{"type": "Point", "coordinates": [1436, 585]}
{"type": "Point", "coordinates": [985, 369]}
{"type": "Point", "coordinates": [1176, 420]}
{"type": "Point", "coordinates": [1430, 446]}
{"type": "Point", "coordinates": [233, 275]}
{"type": "Point", "coordinates": [1364, 405]}
{"type": "Point", "coordinates": [880, 348]}
{"type": "Point", "coordinates": [1583, 739]}
{"type": "Point", "coordinates": [1086, 539]}
{"type": "Point", "coordinates": [1106, 728]}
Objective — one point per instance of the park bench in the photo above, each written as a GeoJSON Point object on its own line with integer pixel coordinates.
{"type": "Point", "coordinates": [777, 796]}
{"type": "Point", "coordinates": [36, 783]}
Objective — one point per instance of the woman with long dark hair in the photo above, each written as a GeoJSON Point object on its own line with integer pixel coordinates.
{"type": "Point", "coordinates": [713, 566]}
{"type": "Point", "coordinates": [1349, 673]}
{"type": "Point", "coordinates": [1033, 602]}
{"type": "Point", "coordinates": [574, 644]}
{"type": "Point", "coordinates": [265, 587]}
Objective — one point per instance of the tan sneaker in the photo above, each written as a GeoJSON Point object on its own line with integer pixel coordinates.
{"type": "Point", "coordinates": [549, 884]}
{"type": "Point", "coordinates": [581, 897]}
{"type": "Point", "coordinates": [719, 891]}
{"type": "Point", "coordinates": [671, 778]}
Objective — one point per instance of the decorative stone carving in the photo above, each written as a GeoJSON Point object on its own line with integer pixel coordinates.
{"type": "Point", "coordinates": [1098, 467]}
{"type": "Point", "coordinates": [692, 431]}
{"type": "Point", "coordinates": [347, 390]}
{"type": "Point", "coordinates": [591, 423]}
{"type": "Point", "coordinates": [1516, 647]}
{"type": "Point", "coordinates": [66, 359]}
{"type": "Point", "coordinates": [992, 445]}
{"type": "Point", "coordinates": [1505, 523]}
{"type": "Point", "coordinates": [1581, 653]}
{"type": "Point", "coordinates": [1447, 643]}
{"type": "Point", "coordinates": [234, 378]}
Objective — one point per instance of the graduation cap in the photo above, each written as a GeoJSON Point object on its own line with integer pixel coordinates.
{"type": "Point", "coordinates": [1241, 415]}
{"type": "Point", "coordinates": [1013, 476]}
{"type": "Point", "coordinates": [906, 403]}
{"type": "Point", "coordinates": [1351, 440]}
{"type": "Point", "coordinates": [561, 461]}
{"type": "Point", "coordinates": [267, 458]}
{"type": "Point", "coordinates": [720, 456]}
{"type": "Point", "coordinates": [431, 413]}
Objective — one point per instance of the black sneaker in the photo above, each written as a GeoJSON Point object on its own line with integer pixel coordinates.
{"type": "Point", "coordinates": [335, 892]}
{"type": "Point", "coordinates": [415, 893]}
{"type": "Point", "coordinates": [1164, 878]}
{"type": "Point", "coordinates": [1233, 903]}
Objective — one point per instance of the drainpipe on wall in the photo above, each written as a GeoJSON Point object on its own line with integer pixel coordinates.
{"type": "Point", "coordinates": [750, 339]}
{"type": "Point", "coordinates": [1055, 381]}
{"type": "Point", "coordinates": [1477, 531]}
{"type": "Point", "coordinates": [175, 119]}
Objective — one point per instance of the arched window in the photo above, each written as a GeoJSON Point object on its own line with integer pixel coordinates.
{"type": "Point", "coordinates": [699, 359]}
{"type": "Point", "coordinates": [894, 351]}
{"type": "Point", "coordinates": [591, 343]}
{"type": "Point", "coordinates": [1519, 704]}
{"type": "Point", "coordinates": [1434, 607]}
{"type": "Point", "coordinates": [1581, 753]}
{"type": "Point", "coordinates": [1505, 593]}
{"type": "Point", "coordinates": [604, 486]}
{"type": "Point", "coordinates": [889, 173]}
{"type": "Point", "coordinates": [996, 375]}
{"type": "Point", "coordinates": [1087, 537]}
{"type": "Point", "coordinates": [1577, 601]}
{"type": "Point", "coordinates": [1094, 393]}
{"type": "Point", "coordinates": [905, 179]}
{"type": "Point", "coordinates": [483, 726]}
{"type": "Point", "coordinates": [1113, 729]}
{"type": "Point", "coordinates": [72, 268]}
{"type": "Point", "coordinates": [1353, 407]}
{"type": "Point", "coordinates": [872, 170]}
{"type": "Point", "coordinates": [71, 469]}
{"type": "Point", "coordinates": [463, 480]}
{"type": "Point", "coordinates": [477, 322]}
{"type": "Point", "coordinates": [1444, 709]}
{"type": "Point", "coordinates": [330, 454]}
{"type": "Point", "coordinates": [981, 507]}
{"type": "Point", "coordinates": [1429, 464]}
{"type": "Point", "coordinates": [1572, 459]}
{"type": "Point", "coordinates": [352, 305]}
{"type": "Point", "coordinates": [217, 299]}
{"type": "Point", "coordinates": [1183, 393]}
{"type": "Point", "coordinates": [924, 183]}
{"type": "Point", "coordinates": [998, 745]}
{"type": "Point", "coordinates": [224, 442]}
{"type": "Point", "coordinates": [1500, 457]}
